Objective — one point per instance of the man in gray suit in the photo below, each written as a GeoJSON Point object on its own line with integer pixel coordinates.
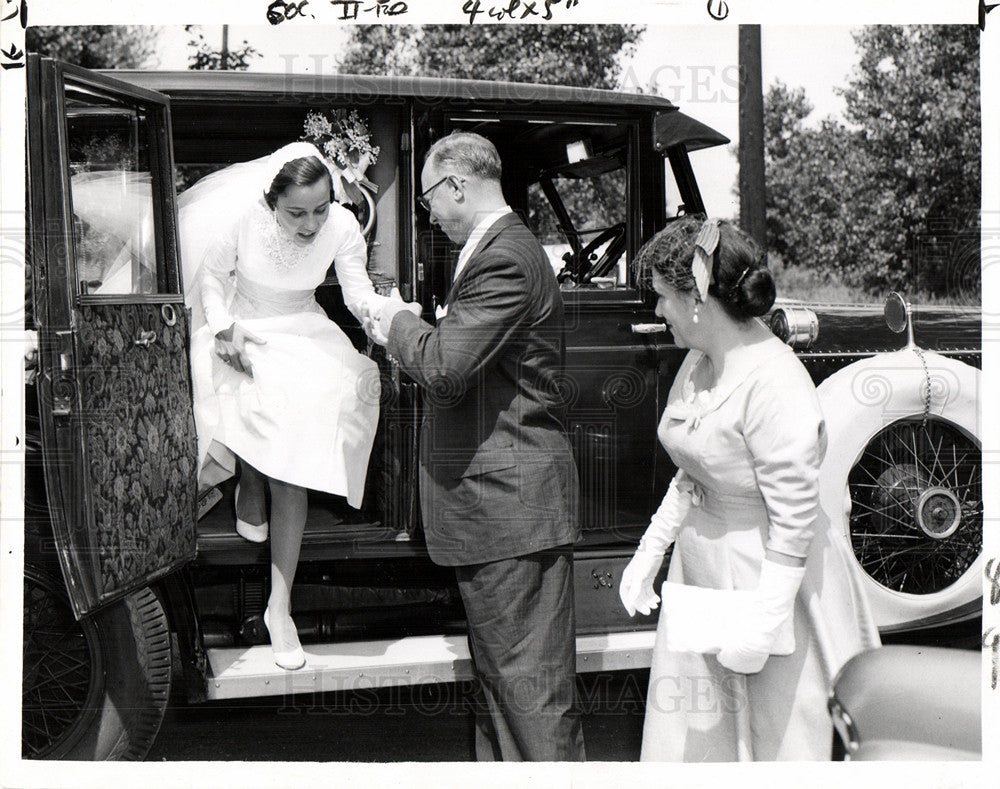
{"type": "Point", "coordinates": [498, 483]}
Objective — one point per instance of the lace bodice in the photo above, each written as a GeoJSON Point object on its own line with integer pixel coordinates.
{"type": "Point", "coordinates": [259, 253]}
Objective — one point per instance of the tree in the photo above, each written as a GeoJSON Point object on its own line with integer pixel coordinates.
{"type": "Point", "coordinates": [96, 46]}
{"type": "Point", "coordinates": [809, 181]}
{"type": "Point", "coordinates": [916, 95]}
{"type": "Point", "coordinates": [381, 49]}
{"type": "Point", "coordinates": [890, 199]}
{"type": "Point", "coordinates": [205, 57]}
{"type": "Point", "coordinates": [576, 55]}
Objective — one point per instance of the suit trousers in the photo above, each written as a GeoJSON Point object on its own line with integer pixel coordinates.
{"type": "Point", "coordinates": [522, 636]}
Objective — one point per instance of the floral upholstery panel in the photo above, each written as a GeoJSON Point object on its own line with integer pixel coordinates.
{"type": "Point", "coordinates": [139, 440]}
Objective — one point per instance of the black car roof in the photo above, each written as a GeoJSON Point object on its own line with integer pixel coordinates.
{"type": "Point", "coordinates": [189, 83]}
{"type": "Point", "coordinates": [672, 126]}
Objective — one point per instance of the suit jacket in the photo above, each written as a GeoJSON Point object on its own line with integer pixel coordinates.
{"type": "Point", "coordinates": [497, 476]}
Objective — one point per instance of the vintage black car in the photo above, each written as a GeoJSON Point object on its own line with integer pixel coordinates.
{"type": "Point", "coordinates": [135, 589]}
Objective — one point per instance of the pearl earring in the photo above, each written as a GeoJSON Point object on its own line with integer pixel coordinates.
{"type": "Point", "coordinates": [695, 318]}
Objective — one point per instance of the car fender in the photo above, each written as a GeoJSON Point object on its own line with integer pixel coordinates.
{"type": "Point", "coordinates": [860, 402]}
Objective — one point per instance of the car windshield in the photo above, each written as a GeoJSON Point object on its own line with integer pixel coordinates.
{"type": "Point", "coordinates": [595, 203]}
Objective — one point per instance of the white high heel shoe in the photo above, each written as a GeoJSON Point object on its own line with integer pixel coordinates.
{"type": "Point", "coordinates": [248, 531]}
{"type": "Point", "coordinates": [290, 659]}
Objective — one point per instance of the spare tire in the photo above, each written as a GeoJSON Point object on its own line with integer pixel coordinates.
{"type": "Point", "coordinates": [902, 483]}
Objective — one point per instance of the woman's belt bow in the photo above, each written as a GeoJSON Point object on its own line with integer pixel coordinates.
{"type": "Point", "coordinates": [693, 489]}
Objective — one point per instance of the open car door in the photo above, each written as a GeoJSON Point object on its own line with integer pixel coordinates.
{"type": "Point", "coordinates": [114, 385]}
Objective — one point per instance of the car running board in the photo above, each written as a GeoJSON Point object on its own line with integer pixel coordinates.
{"type": "Point", "coordinates": [250, 672]}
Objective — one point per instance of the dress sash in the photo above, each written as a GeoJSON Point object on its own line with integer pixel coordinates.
{"type": "Point", "coordinates": [254, 300]}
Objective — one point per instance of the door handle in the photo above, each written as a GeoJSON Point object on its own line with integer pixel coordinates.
{"type": "Point", "coordinates": [648, 328]}
{"type": "Point", "coordinates": [145, 338]}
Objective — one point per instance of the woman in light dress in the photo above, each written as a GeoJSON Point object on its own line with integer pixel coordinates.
{"type": "Point", "coordinates": [276, 383]}
{"type": "Point", "coordinates": [742, 674]}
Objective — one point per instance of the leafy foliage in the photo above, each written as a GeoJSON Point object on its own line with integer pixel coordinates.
{"type": "Point", "coordinates": [810, 179]}
{"type": "Point", "coordinates": [95, 46]}
{"type": "Point", "coordinates": [890, 199]}
{"type": "Point", "coordinates": [575, 55]}
{"type": "Point", "coordinates": [206, 57]}
{"type": "Point", "coordinates": [381, 49]}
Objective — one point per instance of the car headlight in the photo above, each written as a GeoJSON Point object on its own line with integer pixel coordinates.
{"type": "Point", "coordinates": [795, 326]}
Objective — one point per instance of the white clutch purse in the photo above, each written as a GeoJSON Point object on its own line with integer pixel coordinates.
{"type": "Point", "coordinates": [705, 620]}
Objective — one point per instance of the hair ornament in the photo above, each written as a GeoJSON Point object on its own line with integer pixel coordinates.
{"type": "Point", "coordinates": [704, 251]}
{"type": "Point", "coordinates": [742, 277]}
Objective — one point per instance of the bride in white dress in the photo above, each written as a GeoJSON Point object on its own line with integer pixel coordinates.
{"type": "Point", "coordinates": [276, 383]}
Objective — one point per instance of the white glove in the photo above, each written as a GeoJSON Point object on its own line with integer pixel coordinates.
{"type": "Point", "coordinates": [371, 329]}
{"type": "Point", "coordinates": [636, 588]}
{"type": "Point", "coordinates": [767, 627]}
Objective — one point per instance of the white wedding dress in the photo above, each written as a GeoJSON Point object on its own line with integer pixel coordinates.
{"type": "Point", "coordinates": [308, 414]}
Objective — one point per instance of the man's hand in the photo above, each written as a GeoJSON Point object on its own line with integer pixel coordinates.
{"type": "Point", "coordinates": [230, 347]}
{"type": "Point", "coordinates": [391, 309]}
{"type": "Point", "coordinates": [377, 321]}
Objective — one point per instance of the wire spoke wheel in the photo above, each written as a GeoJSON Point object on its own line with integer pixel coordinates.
{"type": "Point", "coordinates": [916, 522]}
{"type": "Point", "coordinates": [96, 688]}
{"type": "Point", "coordinates": [62, 672]}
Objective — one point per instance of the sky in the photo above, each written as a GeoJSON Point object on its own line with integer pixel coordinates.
{"type": "Point", "coordinates": [694, 66]}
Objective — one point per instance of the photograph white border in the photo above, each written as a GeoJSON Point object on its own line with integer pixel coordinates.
{"type": "Point", "coordinates": [15, 773]}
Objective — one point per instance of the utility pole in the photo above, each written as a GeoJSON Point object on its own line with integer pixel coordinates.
{"type": "Point", "coordinates": [751, 154]}
{"type": "Point", "coordinates": [225, 47]}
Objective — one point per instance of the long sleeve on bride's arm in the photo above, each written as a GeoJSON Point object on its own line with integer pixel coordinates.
{"type": "Point", "coordinates": [216, 269]}
{"type": "Point", "coordinates": [350, 263]}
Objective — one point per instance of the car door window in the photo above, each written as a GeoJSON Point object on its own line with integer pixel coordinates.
{"type": "Point", "coordinates": [109, 172]}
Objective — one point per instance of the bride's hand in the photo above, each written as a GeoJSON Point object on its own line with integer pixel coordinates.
{"type": "Point", "coordinates": [369, 321]}
{"type": "Point", "coordinates": [230, 347]}
{"type": "Point", "coordinates": [372, 330]}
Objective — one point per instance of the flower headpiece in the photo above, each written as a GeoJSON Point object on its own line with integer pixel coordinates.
{"type": "Point", "coordinates": [704, 253]}
{"type": "Point", "coordinates": [345, 141]}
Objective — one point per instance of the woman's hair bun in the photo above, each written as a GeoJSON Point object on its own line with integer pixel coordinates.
{"type": "Point", "coordinates": [744, 286]}
{"type": "Point", "coordinates": [754, 295]}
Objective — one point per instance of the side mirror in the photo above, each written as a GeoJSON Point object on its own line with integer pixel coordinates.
{"type": "Point", "coordinates": [898, 316]}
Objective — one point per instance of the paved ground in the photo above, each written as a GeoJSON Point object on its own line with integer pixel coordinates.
{"type": "Point", "coordinates": [429, 723]}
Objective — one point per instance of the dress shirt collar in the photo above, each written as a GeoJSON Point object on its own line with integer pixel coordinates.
{"type": "Point", "coordinates": [476, 236]}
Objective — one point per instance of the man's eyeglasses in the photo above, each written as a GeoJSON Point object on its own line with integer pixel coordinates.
{"type": "Point", "coordinates": [423, 199]}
